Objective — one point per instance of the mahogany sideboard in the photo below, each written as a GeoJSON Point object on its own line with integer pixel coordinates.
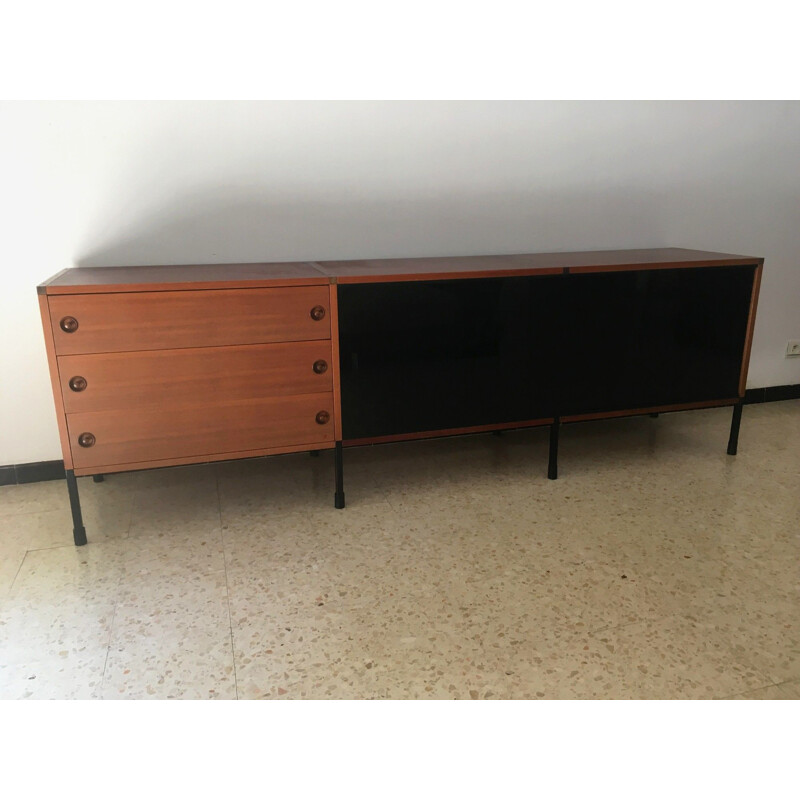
{"type": "Point", "coordinates": [157, 366]}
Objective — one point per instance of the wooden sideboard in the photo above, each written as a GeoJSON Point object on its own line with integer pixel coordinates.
{"type": "Point", "coordinates": [167, 365]}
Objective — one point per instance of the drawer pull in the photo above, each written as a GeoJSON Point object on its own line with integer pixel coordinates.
{"type": "Point", "coordinates": [323, 417]}
{"type": "Point", "coordinates": [69, 324]}
{"type": "Point", "coordinates": [317, 313]}
{"type": "Point", "coordinates": [86, 440]}
{"type": "Point", "coordinates": [78, 383]}
{"type": "Point", "coordinates": [320, 366]}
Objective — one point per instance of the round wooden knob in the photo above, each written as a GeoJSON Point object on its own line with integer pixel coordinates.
{"type": "Point", "coordinates": [323, 417]}
{"type": "Point", "coordinates": [78, 383]}
{"type": "Point", "coordinates": [86, 440]}
{"type": "Point", "coordinates": [69, 324]}
{"type": "Point", "coordinates": [317, 313]}
{"type": "Point", "coordinates": [320, 366]}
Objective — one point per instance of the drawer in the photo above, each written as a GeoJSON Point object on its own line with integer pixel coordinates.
{"type": "Point", "coordinates": [122, 437]}
{"type": "Point", "coordinates": [102, 323]}
{"type": "Point", "coordinates": [205, 376]}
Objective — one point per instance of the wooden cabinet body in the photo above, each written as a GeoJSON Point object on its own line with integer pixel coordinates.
{"type": "Point", "coordinates": [158, 366]}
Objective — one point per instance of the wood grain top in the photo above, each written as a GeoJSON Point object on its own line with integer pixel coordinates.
{"type": "Point", "coordinates": [402, 269]}
{"type": "Point", "coordinates": [86, 280]}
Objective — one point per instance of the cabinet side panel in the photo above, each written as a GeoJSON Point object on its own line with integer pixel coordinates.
{"type": "Point", "coordinates": [52, 362]}
{"type": "Point", "coordinates": [748, 343]}
{"type": "Point", "coordinates": [335, 366]}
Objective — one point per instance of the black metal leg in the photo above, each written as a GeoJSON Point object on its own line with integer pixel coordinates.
{"type": "Point", "coordinates": [654, 416]}
{"type": "Point", "coordinates": [339, 496]}
{"type": "Point", "coordinates": [552, 465]}
{"type": "Point", "coordinates": [98, 478]}
{"type": "Point", "coordinates": [497, 433]}
{"type": "Point", "coordinates": [78, 531]}
{"type": "Point", "coordinates": [313, 452]}
{"type": "Point", "coordinates": [733, 441]}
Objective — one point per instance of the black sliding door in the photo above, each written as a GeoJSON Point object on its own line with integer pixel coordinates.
{"type": "Point", "coordinates": [433, 355]}
{"type": "Point", "coordinates": [422, 356]}
{"type": "Point", "coordinates": [653, 337]}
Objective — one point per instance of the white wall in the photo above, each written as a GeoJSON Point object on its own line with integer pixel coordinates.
{"type": "Point", "coordinates": [145, 183]}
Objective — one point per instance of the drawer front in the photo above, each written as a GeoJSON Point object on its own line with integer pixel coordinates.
{"type": "Point", "coordinates": [121, 437]}
{"type": "Point", "coordinates": [204, 376]}
{"type": "Point", "coordinates": [102, 323]}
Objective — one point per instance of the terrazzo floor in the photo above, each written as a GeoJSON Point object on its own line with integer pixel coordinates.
{"type": "Point", "coordinates": [655, 567]}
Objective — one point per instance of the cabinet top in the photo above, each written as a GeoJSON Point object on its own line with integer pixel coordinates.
{"type": "Point", "coordinates": [401, 269]}
{"type": "Point", "coordinates": [81, 280]}
{"type": "Point", "coordinates": [85, 280]}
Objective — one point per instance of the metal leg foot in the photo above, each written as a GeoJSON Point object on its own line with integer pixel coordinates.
{"type": "Point", "coordinates": [552, 464]}
{"type": "Point", "coordinates": [736, 421]}
{"type": "Point", "coordinates": [98, 478]}
{"type": "Point", "coordinates": [78, 531]}
{"type": "Point", "coordinates": [338, 500]}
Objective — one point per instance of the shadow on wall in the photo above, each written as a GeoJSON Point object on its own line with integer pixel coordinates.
{"type": "Point", "coordinates": [213, 227]}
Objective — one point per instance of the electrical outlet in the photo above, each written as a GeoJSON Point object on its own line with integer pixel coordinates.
{"type": "Point", "coordinates": [792, 348]}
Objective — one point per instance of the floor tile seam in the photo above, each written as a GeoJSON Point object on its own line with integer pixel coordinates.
{"type": "Point", "coordinates": [101, 688]}
{"type": "Point", "coordinates": [779, 679]}
{"type": "Point", "coordinates": [16, 574]}
{"type": "Point", "coordinates": [51, 547]}
{"type": "Point", "coordinates": [15, 514]}
{"type": "Point", "coordinates": [750, 691]}
{"type": "Point", "coordinates": [789, 682]}
{"type": "Point", "coordinates": [227, 585]}
{"type": "Point", "coordinates": [130, 516]}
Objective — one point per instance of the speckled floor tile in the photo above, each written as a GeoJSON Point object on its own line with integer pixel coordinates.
{"type": "Point", "coordinates": [670, 658]}
{"type": "Point", "coordinates": [763, 632]}
{"type": "Point", "coordinates": [69, 676]}
{"type": "Point", "coordinates": [52, 650]}
{"type": "Point", "coordinates": [30, 497]}
{"type": "Point", "coordinates": [193, 477]}
{"type": "Point", "coordinates": [55, 622]}
{"type": "Point", "coordinates": [289, 485]}
{"type": "Point", "coordinates": [193, 667]}
{"type": "Point", "coordinates": [174, 510]}
{"type": "Point", "coordinates": [152, 604]}
{"type": "Point", "coordinates": [68, 574]}
{"type": "Point", "coordinates": [42, 630]}
{"type": "Point", "coordinates": [196, 549]}
{"type": "Point", "coordinates": [171, 637]}
{"type": "Point", "coordinates": [53, 653]}
{"type": "Point", "coordinates": [655, 567]}
{"type": "Point", "coordinates": [45, 529]}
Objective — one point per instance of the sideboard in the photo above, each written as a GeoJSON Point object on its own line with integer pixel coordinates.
{"type": "Point", "coordinates": [158, 366]}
